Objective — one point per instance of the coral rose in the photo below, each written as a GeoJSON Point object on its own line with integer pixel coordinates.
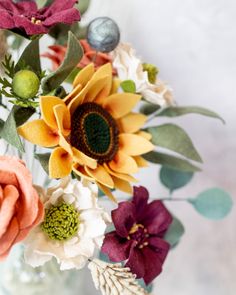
{"type": "Point", "coordinates": [20, 206]}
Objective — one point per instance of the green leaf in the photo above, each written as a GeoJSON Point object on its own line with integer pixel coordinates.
{"type": "Point", "coordinates": [214, 203]}
{"type": "Point", "coordinates": [180, 111]}
{"type": "Point", "coordinates": [174, 179]}
{"type": "Point", "coordinates": [83, 6]}
{"type": "Point", "coordinates": [128, 86]}
{"type": "Point", "coordinates": [44, 160]}
{"type": "Point", "coordinates": [1, 125]}
{"type": "Point", "coordinates": [171, 161]}
{"type": "Point", "coordinates": [148, 109]}
{"type": "Point", "coordinates": [9, 131]}
{"type": "Point", "coordinates": [30, 57]}
{"type": "Point", "coordinates": [41, 3]}
{"type": "Point", "coordinates": [174, 138]}
{"type": "Point", "coordinates": [72, 58]}
{"type": "Point", "coordinates": [22, 115]}
{"type": "Point", "coordinates": [175, 232]}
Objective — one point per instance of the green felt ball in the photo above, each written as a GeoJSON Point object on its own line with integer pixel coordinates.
{"type": "Point", "coordinates": [25, 84]}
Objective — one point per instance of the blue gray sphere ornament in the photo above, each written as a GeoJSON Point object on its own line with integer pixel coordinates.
{"type": "Point", "coordinates": [103, 34]}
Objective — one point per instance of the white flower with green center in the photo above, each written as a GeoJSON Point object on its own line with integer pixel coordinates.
{"type": "Point", "coordinates": [73, 226]}
{"type": "Point", "coordinates": [131, 67]}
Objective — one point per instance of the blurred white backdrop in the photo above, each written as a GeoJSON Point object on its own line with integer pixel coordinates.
{"type": "Point", "coordinates": [193, 42]}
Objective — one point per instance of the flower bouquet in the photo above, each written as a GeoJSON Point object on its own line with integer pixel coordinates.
{"type": "Point", "coordinates": [73, 137]}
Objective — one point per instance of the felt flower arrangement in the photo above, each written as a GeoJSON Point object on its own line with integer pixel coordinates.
{"type": "Point", "coordinates": [92, 129]}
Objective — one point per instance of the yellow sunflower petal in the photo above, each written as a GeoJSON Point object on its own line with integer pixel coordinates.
{"type": "Point", "coordinates": [39, 133]}
{"type": "Point", "coordinates": [122, 185]}
{"type": "Point", "coordinates": [144, 134]}
{"type": "Point", "coordinates": [65, 145]}
{"type": "Point", "coordinates": [100, 175]}
{"type": "Point", "coordinates": [123, 163]}
{"type": "Point", "coordinates": [47, 103]}
{"type": "Point", "coordinates": [115, 85]}
{"type": "Point", "coordinates": [63, 119]}
{"type": "Point", "coordinates": [134, 145]}
{"type": "Point", "coordinates": [107, 192]}
{"type": "Point", "coordinates": [120, 104]}
{"type": "Point", "coordinates": [80, 171]}
{"type": "Point", "coordinates": [72, 94]}
{"type": "Point", "coordinates": [141, 162]}
{"type": "Point", "coordinates": [122, 176]}
{"type": "Point", "coordinates": [60, 163]}
{"type": "Point", "coordinates": [83, 159]}
{"type": "Point", "coordinates": [84, 76]}
{"type": "Point", "coordinates": [97, 90]}
{"type": "Point", "coordinates": [132, 122]}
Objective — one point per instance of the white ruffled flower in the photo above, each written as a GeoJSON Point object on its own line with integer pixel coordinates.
{"type": "Point", "coordinates": [130, 67]}
{"type": "Point", "coordinates": [71, 240]}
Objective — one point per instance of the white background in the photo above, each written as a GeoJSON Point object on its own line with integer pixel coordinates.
{"type": "Point", "coordinates": [193, 42]}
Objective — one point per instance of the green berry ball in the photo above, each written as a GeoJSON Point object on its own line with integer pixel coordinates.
{"type": "Point", "coordinates": [25, 84]}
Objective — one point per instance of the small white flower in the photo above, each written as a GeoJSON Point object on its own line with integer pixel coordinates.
{"type": "Point", "coordinates": [130, 67]}
{"type": "Point", "coordinates": [72, 245]}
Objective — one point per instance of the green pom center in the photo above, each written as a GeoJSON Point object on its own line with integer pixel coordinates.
{"type": "Point", "coordinates": [61, 222]}
{"type": "Point", "coordinates": [152, 72]}
{"type": "Point", "coordinates": [94, 132]}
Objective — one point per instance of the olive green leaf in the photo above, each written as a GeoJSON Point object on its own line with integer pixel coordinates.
{"type": "Point", "coordinates": [175, 232]}
{"type": "Point", "coordinates": [128, 86]}
{"type": "Point", "coordinates": [149, 108]}
{"type": "Point", "coordinates": [43, 160]}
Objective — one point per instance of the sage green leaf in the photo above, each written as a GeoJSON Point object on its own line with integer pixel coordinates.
{"type": "Point", "coordinates": [83, 6]}
{"type": "Point", "coordinates": [9, 131]}
{"type": "Point", "coordinates": [175, 232]}
{"type": "Point", "coordinates": [174, 138]}
{"type": "Point", "coordinates": [73, 56]}
{"type": "Point", "coordinates": [174, 179]}
{"type": "Point", "coordinates": [214, 203]}
{"type": "Point", "coordinates": [30, 58]}
{"type": "Point", "coordinates": [1, 124]}
{"type": "Point", "coordinates": [22, 114]}
{"type": "Point", "coordinates": [128, 86]}
{"type": "Point", "coordinates": [41, 3]}
{"type": "Point", "coordinates": [180, 111]}
{"type": "Point", "coordinates": [148, 109]}
{"type": "Point", "coordinates": [170, 161]}
{"type": "Point", "coordinates": [43, 160]}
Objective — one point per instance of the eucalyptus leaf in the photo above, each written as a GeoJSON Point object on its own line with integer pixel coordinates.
{"type": "Point", "coordinates": [148, 109]}
{"type": "Point", "coordinates": [73, 56]}
{"type": "Point", "coordinates": [170, 161]}
{"type": "Point", "coordinates": [214, 203]}
{"type": "Point", "coordinates": [175, 232]}
{"type": "Point", "coordinates": [44, 160]}
{"type": "Point", "coordinates": [180, 111]}
{"type": "Point", "coordinates": [9, 131]}
{"type": "Point", "coordinates": [83, 6]}
{"type": "Point", "coordinates": [174, 179]}
{"type": "Point", "coordinates": [30, 57]}
{"type": "Point", "coordinates": [128, 86]}
{"type": "Point", "coordinates": [22, 115]}
{"type": "Point", "coordinates": [174, 138]}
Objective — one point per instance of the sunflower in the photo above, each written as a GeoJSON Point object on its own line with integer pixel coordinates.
{"type": "Point", "coordinates": [93, 132]}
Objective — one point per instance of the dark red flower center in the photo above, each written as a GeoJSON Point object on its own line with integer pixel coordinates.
{"type": "Point", "coordinates": [139, 234]}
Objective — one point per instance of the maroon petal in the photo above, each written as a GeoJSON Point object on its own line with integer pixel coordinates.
{"type": "Point", "coordinates": [68, 16]}
{"type": "Point", "coordinates": [26, 7]}
{"type": "Point", "coordinates": [6, 20]}
{"type": "Point", "coordinates": [140, 200]}
{"type": "Point", "coordinates": [9, 5]}
{"type": "Point", "coordinates": [115, 247]}
{"type": "Point", "coordinates": [156, 218]}
{"type": "Point", "coordinates": [159, 246]}
{"type": "Point", "coordinates": [124, 218]}
{"type": "Point", "coordinates": [28, 26]}
{"type": "Point", "coordinates": [136, 262]}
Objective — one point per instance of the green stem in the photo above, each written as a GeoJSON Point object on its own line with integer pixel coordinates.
{"type": "Point", "coordinates": [154, 115]}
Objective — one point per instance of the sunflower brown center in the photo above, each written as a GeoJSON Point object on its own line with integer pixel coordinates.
{"type": "Point", "coordinates": [94, 132]}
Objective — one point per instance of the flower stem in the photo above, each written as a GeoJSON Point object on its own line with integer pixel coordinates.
{"type": "Point", "coordinates": [154, 115]}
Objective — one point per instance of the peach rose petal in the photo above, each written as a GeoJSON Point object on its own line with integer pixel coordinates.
{"type": "Point", "coordinates": [7, 177]}
{"type": "Point", "coordinates": [7, 209]}
{"type": "Point", "coordinates": [8, 238]}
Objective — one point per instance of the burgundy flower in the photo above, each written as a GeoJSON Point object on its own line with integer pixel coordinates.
{"type": "Point", "coordinates": [25, 17]}
{"type": "Point", "coordinates": [138, 238]}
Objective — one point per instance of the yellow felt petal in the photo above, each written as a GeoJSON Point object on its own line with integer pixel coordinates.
{"type": "Point", "coordinates": [63, 119]}
{"type": "Point", "coordinates": [65, 145]}
{"type": "Point", "coordinates": [100, 175]}
{"type": "Point", "coordinates": [83, 159]}
{"type": "Point", "coordinates": [39, 133]}
{"type": "Point", "coordinates": [107, 192]}
{"type": "Point", "coordinates": [84, 75]}
{"type": "Point", "coordinates": [141, 162]}
{"type": "Point", "coordinates": [72, 94]}
{"type": "Point", "coordinates": [120, 104]}
{"type": "Point", "coordinates": [60, 163]}
{"type": "Point", "coordinates": [122, 176]}
{"type": "Point", "coordinates": [144, 134]}
{"type": "Point", "coordinates": [132, 122]}
{"type": "Point", "coordinates": [105, 70]}
{"type": "Point", "coordinates": [80, 171]}
{"type": "Point", "coordinates": [115, 85]}
{"type": "Point", "coordinates": [134, 145]}
{"type": "Point", "coordinates": [123, 163]}
{"type": "Point", "coordinates": [47, 103]}
{"type": "Point", "coordinates": [97, 90]}
{"type": "Point", "coordinates": [122, 185]}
